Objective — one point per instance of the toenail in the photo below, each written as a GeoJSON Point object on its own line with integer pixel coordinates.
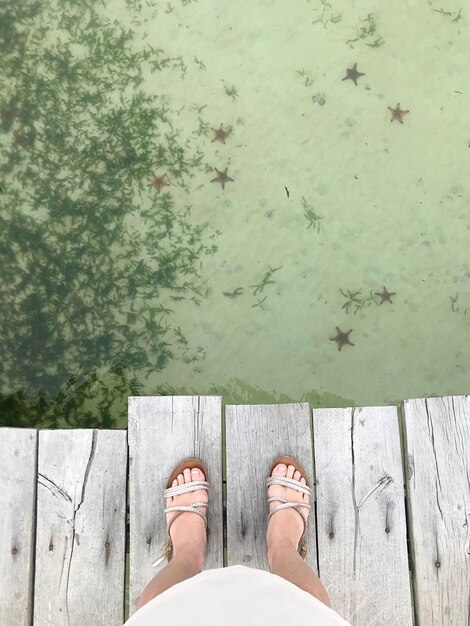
{"type": "Point", "coordinates": [282, 468]}
{"type": "Point", "coordinates": [195, 472]}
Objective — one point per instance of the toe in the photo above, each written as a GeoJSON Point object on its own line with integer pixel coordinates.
{"type": "Point", "coordinates": [297, 475]}
{"type": "Point", "coordinates": [290, 471]}
{"type": "Point", "coordinates": [280, 469]}
{"type": "Point", "coordinates": [187, 475]}
{"type": "Point", "coordinates": [197, 474]}
{"type": "Point", "coordinates": [170, 499]}
{"type": "Point", "coordinates": [180, 479]}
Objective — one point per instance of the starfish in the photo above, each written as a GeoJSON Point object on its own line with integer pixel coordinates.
{"type": "Point", "coordinates": [8, 116]}
{"type": "Point", "coordinates": [222, 177]}
{"type": "Point", "coordinates": [385, 295]}
{"type": "Point", "coordinates": [397, 114]}
{"type": "Point", "coordinates": [220, 134]}
{"type": "Point", "coordinates": [158, 182]}
{"type": "Point", "coordinates": [353, 74]}
{"type": "Point", "coordinates": [22, 139]}
{"type": "Point", "coordinates": [342, 338]}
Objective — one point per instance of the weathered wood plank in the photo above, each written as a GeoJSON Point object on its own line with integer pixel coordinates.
{"type": "Point", "coordinates": [256, 435]}
{"type": "Point", "coordinates": [362, 547]}
{"type": "Point", "coordinates": [162, 432]}
{"type": "Point", "coordinates": [81, 513]}
{"type": "Point", "coordinates": [438, 454]}
{"type": "Point", "coordinates": [17, 523]}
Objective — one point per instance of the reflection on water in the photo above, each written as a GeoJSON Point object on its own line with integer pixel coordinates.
{"type": "Point", "coordinates": [263, 202]}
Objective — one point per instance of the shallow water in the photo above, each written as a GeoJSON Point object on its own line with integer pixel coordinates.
{"type": "Point", "coordinates": [128, 270]}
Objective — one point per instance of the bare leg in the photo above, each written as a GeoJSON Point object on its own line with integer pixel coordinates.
{"type": "Point", "coordinates": [188, 534]}
{"type": "Point", "coordinates": [183, 565]}
{"type": "Point", "coordinates": [285, 561]}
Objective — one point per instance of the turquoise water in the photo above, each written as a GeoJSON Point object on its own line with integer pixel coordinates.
{"type": "Point", "coordinates": [231, 200]}
{"type": "Point", "coordinates": [264, 201]}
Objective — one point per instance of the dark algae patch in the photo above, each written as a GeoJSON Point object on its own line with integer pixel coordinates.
{"type": "Point", "coordinates": [93, 247]}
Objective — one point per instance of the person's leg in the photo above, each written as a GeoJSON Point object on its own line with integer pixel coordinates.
{"type": "Point", "coordinates": [183, 565]}
{"type": "Point", "coordinates": [285, 561]}
{"type": "Point", "coordinates": [283, 535]}
{"type": "Point", "coordinates": [188, 534]}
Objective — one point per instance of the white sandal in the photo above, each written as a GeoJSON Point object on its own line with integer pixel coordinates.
{"type": "Point", "coordinates": [170, 492]}
{"type": "Point", "coordinates": [293, 484]}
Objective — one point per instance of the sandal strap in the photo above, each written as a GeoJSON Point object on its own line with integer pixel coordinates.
{"type": "Point", "coordinates": [174, 491]}
{"type": "Point", "coordinates": [295, 505]}
{"type": "Point", "coordinates": [192, 486]}
{"type": "Point", "coordinates": [289, 482]}
{"type": "Point", "coordinates": [289, 502]}
{"type": "Point", "coordinates": [180, 509]}
{"type": "Point", "coordinates": [189, 507]}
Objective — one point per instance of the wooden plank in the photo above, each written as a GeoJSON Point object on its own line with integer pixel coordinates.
{"type": "Point", "coordinates": [438, 454]}
{"type": "Point", "coordinates": [256, 435]}
{"type": "Point", "coordinates": [362, 542]}
{"type": "Point", "coordinates": [81, 515]}
{"type": "Point", "coordinates": [162, 432]}
{"type": "Point", "coordinates": [17, 523]}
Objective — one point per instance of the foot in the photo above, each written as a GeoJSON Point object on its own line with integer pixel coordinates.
{"type": "Point", "coordinates": [188, 531]}
{"type": "Point", "coordinates": [285, 528]}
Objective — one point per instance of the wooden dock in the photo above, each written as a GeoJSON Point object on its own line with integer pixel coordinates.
{"type": "Point", "coordinates": [389, 533]}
